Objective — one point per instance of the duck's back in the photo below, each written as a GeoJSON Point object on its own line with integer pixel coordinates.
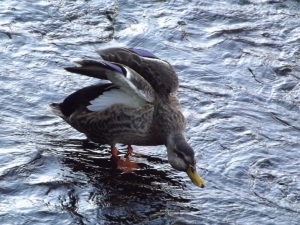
{"type": "Point", "coordinates": [160, 74]}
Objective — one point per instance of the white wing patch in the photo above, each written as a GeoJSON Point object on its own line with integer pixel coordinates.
{"type": "Point", "coordinates": [115, 96]}
{"type": "Point", "coordinates": [127, 86]}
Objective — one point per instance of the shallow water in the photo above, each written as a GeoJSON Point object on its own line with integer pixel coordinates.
{"type": "Point", "coordinates": [238, 64]}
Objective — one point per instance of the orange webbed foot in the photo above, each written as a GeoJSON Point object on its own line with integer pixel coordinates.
{"type": "Point", "coordinates": [126, 165]}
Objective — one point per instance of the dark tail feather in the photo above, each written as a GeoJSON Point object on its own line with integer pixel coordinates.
{"type": "Point", "coordinates": [55, 109]}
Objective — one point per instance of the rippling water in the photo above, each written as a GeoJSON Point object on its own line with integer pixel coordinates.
{"type": "Point", "coordinates": [238, 64]}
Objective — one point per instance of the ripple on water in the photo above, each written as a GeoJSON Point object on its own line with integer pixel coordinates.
{"type": "Point", "coordinates": [238, 65]}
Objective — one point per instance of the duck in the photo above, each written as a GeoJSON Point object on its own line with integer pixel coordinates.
{"type": "Point", "coordinates": [135, 105]}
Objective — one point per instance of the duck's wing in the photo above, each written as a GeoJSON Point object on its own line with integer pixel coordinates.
{"type": "Point", "coordinates": [81, 99]}
{"type": "Point", "coordinates": [133, 90]}
{"type": "Point", "coordinates": [157, 72]}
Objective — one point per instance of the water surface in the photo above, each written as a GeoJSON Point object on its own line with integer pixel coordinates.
{"type": "Point", "coordinates": [238, 65]}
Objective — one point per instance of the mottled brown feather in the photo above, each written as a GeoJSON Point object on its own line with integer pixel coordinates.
{"type": "Point", "coordinates": [156, 121]}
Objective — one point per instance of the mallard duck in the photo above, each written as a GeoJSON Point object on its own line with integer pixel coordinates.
{"type": "Point", "coordinates": [137, 107]}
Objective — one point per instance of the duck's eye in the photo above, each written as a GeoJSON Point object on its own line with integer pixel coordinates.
{"type": "Point", "coordinates": [179, 154]}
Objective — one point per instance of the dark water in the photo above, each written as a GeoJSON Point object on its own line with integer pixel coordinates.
{"type": "Point", "coordinates": [238, 64]}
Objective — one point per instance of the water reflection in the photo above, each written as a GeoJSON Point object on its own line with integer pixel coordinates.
{"type": "Point", "coordinates": [238, 65]}
{"type": "Point", "coordinates": [145, 194]}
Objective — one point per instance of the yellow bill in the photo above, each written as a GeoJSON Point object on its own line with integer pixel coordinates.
{"type": "Point", "coordinates": [194, 176]}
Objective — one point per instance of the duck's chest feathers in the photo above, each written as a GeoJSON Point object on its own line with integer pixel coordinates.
{"type": "Point", "coordinates": [168, 115]}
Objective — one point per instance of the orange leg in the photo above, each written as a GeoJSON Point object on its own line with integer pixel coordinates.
{"type": "Point", "coordinates": [130, 152]}
{"type": "Point", "coordinates": [114, 151]}
{"type": "Point", "coordinates": [124, 164]}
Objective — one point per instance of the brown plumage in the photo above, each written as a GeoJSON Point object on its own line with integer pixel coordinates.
{"type": "Point", "coordinates": [138, 107]}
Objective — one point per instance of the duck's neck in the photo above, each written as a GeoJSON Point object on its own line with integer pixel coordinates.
{"type": "Point", "coordinates": [173, 121]}
{"type": "Point", "coordinates": [175, 138]}
{"type": "Point", "coordinates": [176, 147]}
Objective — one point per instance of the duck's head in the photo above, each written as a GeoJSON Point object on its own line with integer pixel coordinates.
{"type": "Point", "coordinates": [182, 157]}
